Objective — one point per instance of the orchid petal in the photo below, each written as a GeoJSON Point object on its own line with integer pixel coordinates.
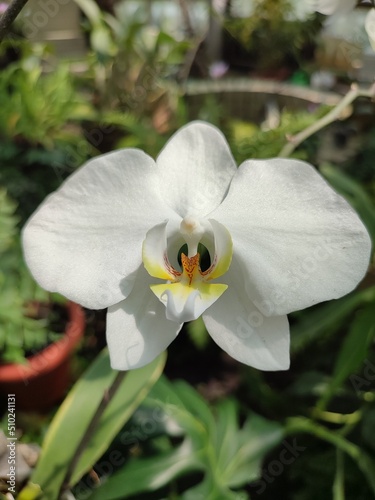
{"type": "Point", "coordinates": [137, 329]}
{"type": "Point", "coordinates": [85, 240]}
{"type": "Point", "coordinates": [297, 241]}
{"type": "Point", "coordinates": [186, 303]}
{"type": "Point", "coordinates": [196, 167]}
{"type": "Point", "coordinates": [241, 330]}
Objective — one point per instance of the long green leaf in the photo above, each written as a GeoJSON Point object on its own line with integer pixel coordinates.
{"type": "Point", "coordinates": [148, 474]}
{"type": "Point", "coordinates": [75, 414]}
{"type": "Point", "coordinates": [316, 323]}
{"type": "Point", "coordinates": [353, 351]}
{"type": "Point", "coordinates": [367, 466]}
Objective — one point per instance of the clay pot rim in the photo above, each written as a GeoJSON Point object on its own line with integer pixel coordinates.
{"type": "Point", "coordinates": [53, 355]}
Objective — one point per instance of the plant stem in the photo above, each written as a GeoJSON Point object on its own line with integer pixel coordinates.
{"type": "Point", "coordinates": [9, 16]}
{"type": "Point", "coordinates": [337, 418]}
{"type": "Point", "coordinates": [334, 114]}
{"type": "Point", "coordinates": [186, 18]}
{"type": "Point", "coordinates": [304, 425]}
{"type": "Point", "coordinates": [107, 397]}
{"type": "Point", "coordinates": [338, 487]}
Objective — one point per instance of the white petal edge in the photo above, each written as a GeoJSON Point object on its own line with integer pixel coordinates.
{"type": "Point", "coordinates": [242, 331]}
{"type": "Point", "coordinates": [137, 328]}
{"type": "Point", "coordinates": [85, 240]}
{"type": "Point", "coordinates": [297, 241]}
{"type": "Point", "coordinates": [196, 167]}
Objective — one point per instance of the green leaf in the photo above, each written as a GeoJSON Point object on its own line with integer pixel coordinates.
{"type": "Point", "coordinates": [208, 489]}
{"type": "Point", "coordinates": [91, 10]}
{"type": "Point", "coordinates": [237, 453]}
{"type": "Point", "coordinates": [148, 474]}
{"type": "Point", "coordinates": [30, 492]}
{"type": "Point", "coordinates": [101, 40]}
{"type": "Point", "coordinates": [194, 403]}
{"type": "Point", "coordinates": [76, 413]}
{"type": "Point", "coordinates": [181, 403]}
{"type": "Point", "coordinates": [353, 351]}
{"type": "Point", "coordinates": [367, 466]}
{"type": "Point", "coordinates": [315, 323]}
{"type": "Point", "coordinates": [232, 455]}
{"type": "Point", "coordinates": [227, 433]}
{"type": "Point", "coordinates": [163, 394]}
{"type": "Point", "coordinates": [256, 438]}
{"type": "Point", "coordinates": [229, 455]}
{"type": "Point", "coordinates": [368, 428]}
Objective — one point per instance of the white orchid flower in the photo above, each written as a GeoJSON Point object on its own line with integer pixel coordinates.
{"type": "Point", "coordinates": [278, 237]}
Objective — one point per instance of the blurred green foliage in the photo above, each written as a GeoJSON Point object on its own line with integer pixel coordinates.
{"type": "Point", "coordinates": [272, 36]}
{"type": "Point", "coordinates": [37, 107]}
{"type": "Point", "coordinates": [20, 334]}
{"type": "Point", "coordinates": [40, 127]}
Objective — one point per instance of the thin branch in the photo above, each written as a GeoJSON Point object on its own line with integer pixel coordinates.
{"type": "Point", "coordinates": [186, 17]}
{"type": "Point", "coordinates": [9, 16]}
{"type": "Point", "coordinates": [192, 52]}
{"type": "Point", "coordinates": [333, 115]}
{"type": "Point", "coordinates": [107, 397]}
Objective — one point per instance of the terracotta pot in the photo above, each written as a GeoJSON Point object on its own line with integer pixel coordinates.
{"type": "Point", "coordinates": [45, 377]}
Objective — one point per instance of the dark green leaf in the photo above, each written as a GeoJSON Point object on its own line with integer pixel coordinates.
{"type": "Point", "coordinates": [148, 474]}
{"type": "Point", "coordinates": [315, 323]}
{"type": "Point", "coordinates": [353, 351]}
{"type": "Point", "coordinates": [75, 414]}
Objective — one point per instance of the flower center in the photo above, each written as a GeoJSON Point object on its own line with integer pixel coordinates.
{"type": "Point", "coordinates": [187, 293]}
{"type": "Point", "coordinates": [190, 267]}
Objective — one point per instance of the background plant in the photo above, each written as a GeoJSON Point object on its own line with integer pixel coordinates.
{"type": "Point", "coordinates": [20, 332]}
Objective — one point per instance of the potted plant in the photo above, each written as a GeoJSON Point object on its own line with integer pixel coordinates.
{"type": "Point", "coordinates": [38, 331]}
